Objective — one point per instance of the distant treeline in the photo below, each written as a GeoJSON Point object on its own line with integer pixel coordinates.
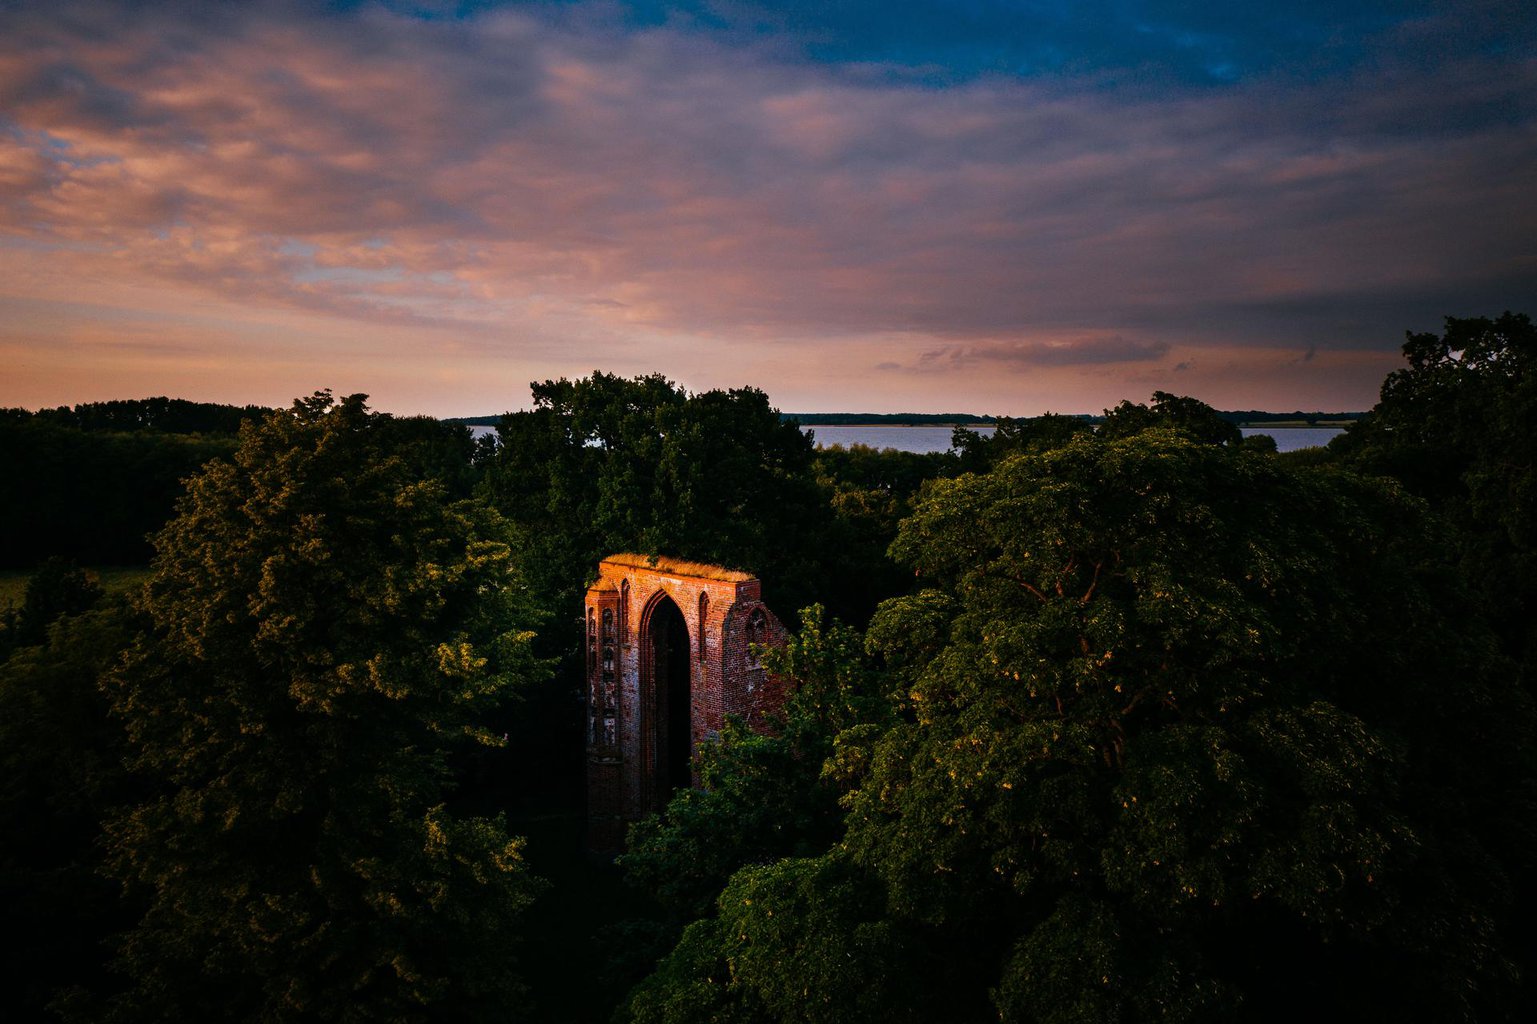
{"type": "Point", "coordinates": [1241, 417]}
{"type": "Point", "coordinates": [924, 419]}
{"type": "Point", "coordinates": [821, 419]}
{"type": "Point", "coordinates": [92, 481]}
{"type": "Point", "coordinates": [886, 419]}
{"type": "Point", "coordinates": [918, 419]}
{"type": "Point", "coordinates": [165, 415]}
{"type": "Point", "coordinates": [1254, 416]}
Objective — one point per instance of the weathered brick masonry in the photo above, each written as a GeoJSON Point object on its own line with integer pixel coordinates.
{"type": "Point", "coordinates": [668, 658]}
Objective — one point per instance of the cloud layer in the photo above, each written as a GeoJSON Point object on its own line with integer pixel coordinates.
{"type": "Point", "coordinates": [452, 206]}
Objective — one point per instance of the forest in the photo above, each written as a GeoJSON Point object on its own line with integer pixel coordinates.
{"type": "Point", "coordinates": [1090, 722]}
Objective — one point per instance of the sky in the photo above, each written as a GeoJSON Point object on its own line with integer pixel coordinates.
{"type": "Point", "coordinates": [991, 206]}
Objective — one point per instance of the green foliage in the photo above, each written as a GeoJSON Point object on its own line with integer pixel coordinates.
{"type": "Point", "coordinates": [832, 685]}
{"type": "Point", "coordinates": [762, 797]}
{"type": "Point", "coordinates": [101, 477]}
{"type": "Point", "coordinates": [1458, 426]}
{"type": "Point", "coordinates": [58, 587]}
{"type": "Point", "coordinates": [60, 769]}
{"type": "Point", "coordinates": [164, 415]}
{"type": "Point", "coordinates": [758, 799]}
{"type": "Point", "coordinates": [604, 464]}
{"type": "Point", "coordinates": [809, 939]}
{"type": "Point", "coordinates": [324, 627]}
{"type": "Point", "coordinates": [1186, 416]}
{"type": "Point", "coordinates": [1174, 729]}
{"type": "Point", "coordinates": [1084, 964]}
{"type": "Point", "coordinates": [1193, 679]}
{"type": "Point", "coordinates": [978, 452]}
{"type": "Point", "coordinates": [90, 496]}
{"type": "Point", "coordinates": [871, 491]}
{"type": "Point", "coordinates": [1187, 733]}
{"type": "Point", "coordinates": [796, 941]}
{"type": "Point", "coordinates": [692, 985]}
{"type": "Point", "coordinates": [434, 450]}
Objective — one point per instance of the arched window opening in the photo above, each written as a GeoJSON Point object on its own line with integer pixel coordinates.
{"type": "Point", "coordinates": [592, 643]}
{"type": "Point", "coordinates": [603, 701]}
{"type": "Point", "coordinates": [673, 748]}
{"type": "Point", "coordinates": [757, 634]}
{"type": "Point", "coordinates": [624, 611]}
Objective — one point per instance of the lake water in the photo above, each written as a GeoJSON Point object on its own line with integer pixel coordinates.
{"type": "Point", "coordinates": [906, 439]}
{"type": "Point", "coordinates": [1289, 439]}
{"type": "Point", "coordinates": [937, 439]}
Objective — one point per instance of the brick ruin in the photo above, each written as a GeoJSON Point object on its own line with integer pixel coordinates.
{"type": "Point", "coordinates": [668, 658]}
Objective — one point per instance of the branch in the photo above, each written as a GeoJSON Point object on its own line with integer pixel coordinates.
{"type": "Point", "coordinates": [1031, 588]}
{"type": "Point", "coordinates": [1072, 563]}
{"type": "Point", "coordinates": [1135, 700]}
{"type": "Point", "coordinates": [1087, 594]}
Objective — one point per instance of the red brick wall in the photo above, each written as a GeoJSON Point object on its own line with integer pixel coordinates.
{"type": "Point", "coordinates": [724, 676]}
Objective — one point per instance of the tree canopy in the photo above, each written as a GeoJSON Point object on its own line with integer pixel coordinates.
{"type": "Point", "coordinates": [1149, 723]}
{"type": "Point", "coordinates": [324, 627]}
{"type": "Point", "coordinates": [60, 772]}
{"type": "Point", "coordinates": [1458, 426]}
{"type": "Point", "coordinates": [763, 795]}
{"type": "Point", "coordinates": [1187, 734]}
{"type": "Point", "coordinates": [605, 464]}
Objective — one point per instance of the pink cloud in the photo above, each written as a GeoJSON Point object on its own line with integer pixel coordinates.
{"type": "Point", "coordinates": [514, 182]}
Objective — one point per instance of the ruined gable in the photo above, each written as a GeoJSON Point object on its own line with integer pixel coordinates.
{"type": "Point", "coordinates": [668, 658]}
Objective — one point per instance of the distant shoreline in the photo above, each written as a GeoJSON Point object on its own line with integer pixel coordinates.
{"type": "Point", "coordinates": [1247, 418]}
{"type": "Point", "coordinates": [895, 423]}
{"type": "Point", "coordinates": [1275, 424]}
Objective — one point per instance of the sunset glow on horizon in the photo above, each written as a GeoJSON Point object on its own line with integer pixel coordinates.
{"type": "Point", "coordinates": [995, 207]}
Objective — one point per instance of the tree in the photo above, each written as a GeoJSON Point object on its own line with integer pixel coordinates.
{"type": "Point", "coordinates": [92, 496]}
{"type": "Point", "coordinates": [1187, 733]}
{"type": "Point", "coordinates": [1189, 417]}
{"type": "Point", "coordinates": [870, 491]}
{"type": "Point", "coordinates": [978, 452]}
{"type": "Point", "coordinates": [60, 771]}
{"type": "Point", "coordinates": [605, 464]}
{"type": "Point", "coordinates": [763, 796]}
{"type": "Point", "coordinates": [162, 415]}
{"type": "Point", "coordinates": [324, 627]}
{"type": "Point", "coordinates": [1458, 426]}
{"type": "Point", "coordinates": [797, 941]}
{"type": "Point", "coordinates": [57, 588]}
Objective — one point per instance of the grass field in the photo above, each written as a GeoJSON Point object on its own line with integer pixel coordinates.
{"type": "Point", "coordinates": [114, 579]}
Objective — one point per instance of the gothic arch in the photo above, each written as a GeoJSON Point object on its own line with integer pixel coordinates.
{"type": "Point", "coordinates": [668, 661]}
{"type": "Point", "coordinates": [666, 715]}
